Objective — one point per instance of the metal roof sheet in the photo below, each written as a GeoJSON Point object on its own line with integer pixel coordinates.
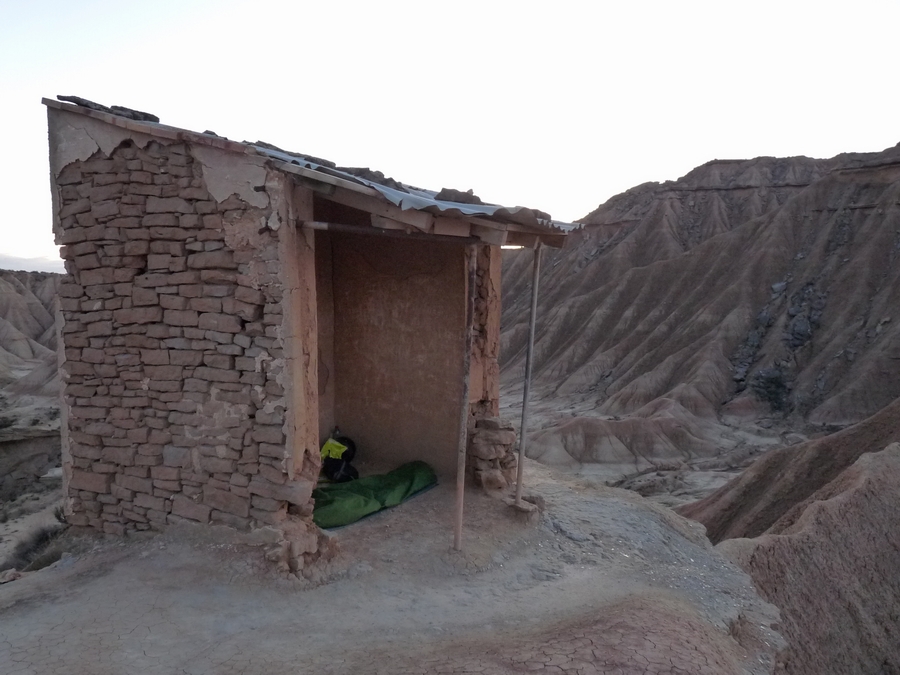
{"type": "Point", "coordinates": [413, 198]}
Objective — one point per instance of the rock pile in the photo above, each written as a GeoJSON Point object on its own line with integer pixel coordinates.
{"type": "Point", "coordinates": [491, 451]}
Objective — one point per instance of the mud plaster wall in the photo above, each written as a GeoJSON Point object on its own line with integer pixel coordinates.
{"type": "Point", "coordinates": [172, 357]}
{"type": "Point", "coordinates": [325, 298]}
{"type": "Point", "coordinates": [399, 323]}
{"type": "Point", "coordinates": [484, 386]}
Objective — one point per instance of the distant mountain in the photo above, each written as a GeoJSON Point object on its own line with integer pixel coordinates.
{"type": "Point", "coordinates": [9, 262]}
{"type": "Point", "coordinates": [744, 291]}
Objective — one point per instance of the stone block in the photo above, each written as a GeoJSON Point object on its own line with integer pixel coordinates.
{"type": "Point", "coordinates": [268, 434]}
{"type": "Point", "coordinates": [134, 483]}
{"type": "Point", "coordinates": [221, 259]}
{"type": "Point", "coordinates": [265, 504]}
{"type": "Point", "coordinates": [99, 328]}
{"type": "Point", "coordinates": [245, 310]}
{"type": "Point", "coordinates": [176, 456]}
{"type": "Point", "coordinates": [206, 304]}
{"type": "Point", "coordinates": [87, 262]}
{"type": "Point", "coordinates": [138, 315]}
{"type": "Point", "coordinates": [90, 482]}
{"type": "Point", "coordinates": [272, 450]}
{"type": "Point", "coordinates": [158, 261]}
{"type": "Point", "coordinates": [181, 317]}
{"type": "Point", "coordinates": [249, 295]}
{"type": "Point", "coordinates": [120, 493]}
{"type": "Point", "coordinates": [296, 492]}
{"type": "Point", "coordinates": [168, 205]}
{"type": "Point", "coordinates": [148, 502]}
{"type": "Point", "coordinates": [223, 323]}
{"type": "Point", "coordinates": [123, 456]}
{"type": "Point", "coordinates": [483, 450]}
{"type": "Point", "coordinates": [175, 302]}
{"type": "Point", "coordinates": [217, 290]}
{"type": "Point", "coordinates": [219, 361]}
{"type": "Point", "coordinates": [492, 423]}
{"type": "Point", "coordinates": [165, 472]}
{"type": "Point", "coordinates": [79, 206]}
{"type": "Point", "coordinates": [141, 297]}
{"type": "Point", "coordinates": [217, 465]}
{"type": "Point", "coordinates": [188, 508]}
{"type": "Point", "coordinates": [181, 357]}
{"type": "Point", "coordinates": [216, 374]}
{"type": "Point", "coordinates": [495, 436]}
{"type": "Point", "coordinates": [103, 275]}
{"type": "Point", "coordinates": [226, 501]}
{"type": "Point", "coordinates": [155, 357]}
{"type": "Point", "coordinates": [107, 209]}
{"type": "Point", "coordinates": [90, 413]}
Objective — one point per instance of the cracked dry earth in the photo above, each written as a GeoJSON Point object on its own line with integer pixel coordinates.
{"type": "Point", "coordinates": [605, 582]}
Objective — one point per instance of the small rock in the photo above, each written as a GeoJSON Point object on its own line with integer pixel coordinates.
{"type": "Point", "coordinates": [9, 575]}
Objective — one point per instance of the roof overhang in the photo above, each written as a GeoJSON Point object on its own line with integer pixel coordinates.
{"type": "Point", "coordinates": [393, 207]}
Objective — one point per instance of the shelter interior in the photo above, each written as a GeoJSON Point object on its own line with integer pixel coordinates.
{"type": "Point", "coordinates": [391, 321]}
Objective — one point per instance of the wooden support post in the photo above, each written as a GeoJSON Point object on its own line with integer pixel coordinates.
{"type": "Point", "coordinates": [471, 264]}
{"type": "Point", "coordinates": [536, 273]}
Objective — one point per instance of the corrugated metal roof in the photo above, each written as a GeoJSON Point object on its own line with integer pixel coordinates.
{"type": "Point", "coordinates": [408, 197]}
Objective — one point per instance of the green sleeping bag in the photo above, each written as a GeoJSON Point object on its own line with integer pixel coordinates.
{"type": "Point", "coordinates": [344, 503]}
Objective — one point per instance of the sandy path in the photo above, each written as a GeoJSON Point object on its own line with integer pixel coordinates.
{"type": "Point", "coordinates": [605, 583]}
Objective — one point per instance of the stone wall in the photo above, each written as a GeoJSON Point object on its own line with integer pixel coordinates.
{"type": "Point", "coordinates": [172, 358]}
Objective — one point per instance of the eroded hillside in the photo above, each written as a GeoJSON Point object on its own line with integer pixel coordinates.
{"type": "Point", "coordinates": [29, 383]}
{"type": "Point", "coordinates": [699, 317]}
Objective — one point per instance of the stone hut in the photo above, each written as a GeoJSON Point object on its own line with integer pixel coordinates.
{"type": "Point", "coordinates": [227, 304]}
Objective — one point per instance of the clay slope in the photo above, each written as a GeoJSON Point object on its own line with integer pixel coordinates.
{"type": "Point", "coordinates": [744, 289]}
{"type": "Point", "coordinates": [772, 493]}
{"type": "Point", "coordinates": [27, 305]}
{"type": "Point", "coordinates": [830, 564]}
{"type": "Point", "coordinates": [28, 363]}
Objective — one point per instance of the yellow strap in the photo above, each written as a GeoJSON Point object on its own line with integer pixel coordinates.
{"type": "Point", "coordinates": [333, 449]}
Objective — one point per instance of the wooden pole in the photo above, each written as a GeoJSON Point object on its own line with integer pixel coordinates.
{"type": "Point", "coordinates": [529, 354]}
{"type": "Point", "coordinates": [471, 264]}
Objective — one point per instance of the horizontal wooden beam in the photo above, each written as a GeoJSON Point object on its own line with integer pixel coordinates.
{"type": "Point", "coordinates": [390, 224]}
{"type": "Point", "coordinates": [489, 235]}
{"type": "Point", "coordinates": [422, 221]}
{"type": "Point", "coordinates": [390, 234]}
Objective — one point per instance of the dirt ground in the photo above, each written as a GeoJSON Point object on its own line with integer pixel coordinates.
{"type": "Point", "coordinates": [603, 582]}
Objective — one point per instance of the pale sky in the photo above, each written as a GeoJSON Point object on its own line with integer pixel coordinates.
{"type": "Point", "coordinates": [554, 105]}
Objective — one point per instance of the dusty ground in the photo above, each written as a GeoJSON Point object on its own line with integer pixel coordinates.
{"type": "Point", "coordinates": [605, 583]}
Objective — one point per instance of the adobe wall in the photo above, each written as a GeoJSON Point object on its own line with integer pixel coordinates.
{"type": "Point", "coordinates": [172, 351]}
{"type": "Point", "coordinates": [399, 324]}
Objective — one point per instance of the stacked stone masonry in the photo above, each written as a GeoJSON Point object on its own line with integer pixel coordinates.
{"type": "Point", "coordinates": [491, 453]}
{"type": "Point", "coordinates": [173, 361]}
